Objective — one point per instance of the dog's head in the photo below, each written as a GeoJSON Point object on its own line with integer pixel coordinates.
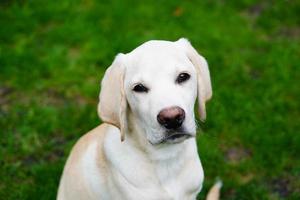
{"type": "Point", "coordinates": [155, 86]}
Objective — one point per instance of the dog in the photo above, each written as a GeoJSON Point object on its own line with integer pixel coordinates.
{"type": "Point", "coordinates": [146, 147]}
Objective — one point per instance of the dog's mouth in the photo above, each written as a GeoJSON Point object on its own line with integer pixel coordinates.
{"type": "Point", "coordinates": [176, 137]}
{"type": "Point", "coordinates": [173, 137]}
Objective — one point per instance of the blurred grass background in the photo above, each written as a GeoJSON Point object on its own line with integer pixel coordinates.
{"type": "Point", "coordinates": [53, 55]}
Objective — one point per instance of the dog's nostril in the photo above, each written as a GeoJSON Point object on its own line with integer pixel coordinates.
{"type": "Point", "coordinates": [171, 118]}
{"type": "Point", "coordinates": [179, 118]}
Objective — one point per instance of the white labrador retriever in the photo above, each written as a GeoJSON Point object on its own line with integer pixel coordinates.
{"type": "Point", "coordinates": [147, 99]}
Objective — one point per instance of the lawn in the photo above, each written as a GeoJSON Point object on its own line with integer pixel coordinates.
{"type": "Point", "coordinates": [53, 55]}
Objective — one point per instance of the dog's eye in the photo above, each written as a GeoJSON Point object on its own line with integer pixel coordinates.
{"type": "Point", "coordinates": [140, 88]}
{"type": "Point", "coordinates": [182, 77]}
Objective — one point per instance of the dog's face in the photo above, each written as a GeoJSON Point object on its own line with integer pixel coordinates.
{"type": "Point", "coordinates": [161, 89]}
{"type": "Point", "coordinates": [157, 85]}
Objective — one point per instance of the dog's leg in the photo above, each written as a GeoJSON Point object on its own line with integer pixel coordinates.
{"type": "Point", "coordinates": [214, 192]}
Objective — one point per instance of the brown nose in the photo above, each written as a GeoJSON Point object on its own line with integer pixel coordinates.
{"type": "Point", "coordinates": [171, 118]}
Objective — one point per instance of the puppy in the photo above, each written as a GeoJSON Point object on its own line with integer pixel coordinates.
{"type": "Point", "coordinates": [146, 147]}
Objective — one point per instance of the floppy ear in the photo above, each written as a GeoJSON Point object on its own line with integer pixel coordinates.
{"type": "Point", "coordinates": [203, 77]}
{"type": "Point", "coordinates": [112, 107]}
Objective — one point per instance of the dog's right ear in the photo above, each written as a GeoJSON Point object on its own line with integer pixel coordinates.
{"type": "Point", "coordinates": [112, 105]}
{"type": "Point", "coordinates": [203, 76]}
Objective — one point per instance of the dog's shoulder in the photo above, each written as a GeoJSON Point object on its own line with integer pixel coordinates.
{"type": "Point", "coordinates": [95, 135]}
{"type": "Point", "coordinates": [91, 140]}
{"type": "Point", "coordinates": [86, 156]}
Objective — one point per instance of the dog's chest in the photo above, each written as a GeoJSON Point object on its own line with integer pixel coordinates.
{"type": "Point", "coordinates": [182, 180]}
{"type": "Point", "coordinates": [168, 184]}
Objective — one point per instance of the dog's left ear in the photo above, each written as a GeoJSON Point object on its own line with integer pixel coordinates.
{"type": "Point", "coordinates": [112, 107]}
{"type": "Point", "coordinates": [203, 76]}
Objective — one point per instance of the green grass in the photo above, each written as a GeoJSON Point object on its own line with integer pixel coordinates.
{"type": "Point", "coordinates": [53, 55]}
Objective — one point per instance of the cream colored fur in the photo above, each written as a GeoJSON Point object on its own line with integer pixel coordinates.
{"type": "Point", "coordinates": [124, 157]}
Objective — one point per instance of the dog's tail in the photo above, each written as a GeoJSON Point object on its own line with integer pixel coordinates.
{"type": "Point", "coordinates": [214, 192]}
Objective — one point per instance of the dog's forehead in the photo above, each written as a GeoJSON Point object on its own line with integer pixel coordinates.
{"type": "Point", "coordinates": [155, 57]}
{"type": "Point", "coordinates": [157, 46]}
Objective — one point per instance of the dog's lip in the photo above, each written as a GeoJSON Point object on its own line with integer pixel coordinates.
{"type": "Point", "coordinates": [175, 138]}
{"type": "Point", "coordinates": [176, 135]}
